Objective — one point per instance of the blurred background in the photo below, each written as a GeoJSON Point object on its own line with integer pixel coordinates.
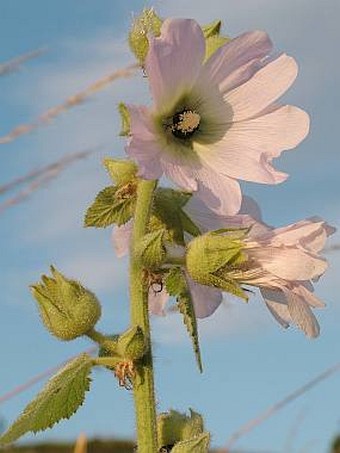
{"type": "Point", "coordinates": [249, 361]}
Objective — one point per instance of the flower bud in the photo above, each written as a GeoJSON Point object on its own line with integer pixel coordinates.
{"type": "Point", "coordinates": [174, 427]}
{"type": "Point", "coordinates": [68, 310]}
{"type": "Point", "coordinates": [209, 256]}
{"type": "Point", "coordinates": [146, 23]}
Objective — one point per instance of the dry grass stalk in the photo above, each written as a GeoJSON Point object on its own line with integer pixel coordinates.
{"type": "Point", "coordinates": [39, 377]}
{"type": "Point", "coordinates": [40, 177]}
{"type": "Point", "coordinates": [81, 444]}
{"type": "Point", "coordinates": [15, 63]}
{"type": "Point", "coordinates": [271, 410]}
{"type": "Point", "coordinates": [70, 102]}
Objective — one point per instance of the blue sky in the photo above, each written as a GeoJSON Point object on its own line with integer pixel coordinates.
{"type": "Point", "coordinates": [249, 361]}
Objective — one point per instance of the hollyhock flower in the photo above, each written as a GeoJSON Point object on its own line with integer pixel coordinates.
{"type": "Point", "coordinates": [216, 121]}
{"type": "Point", "coordinates": [205, 299]}
{"type": "Point", "coordinates": [281, 262]}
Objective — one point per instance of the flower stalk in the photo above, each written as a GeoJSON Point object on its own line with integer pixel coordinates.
{"type": "Point", "coordinates": [143, 389]}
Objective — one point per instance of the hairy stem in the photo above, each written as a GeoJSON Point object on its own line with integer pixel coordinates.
{"type": "Point", "coordinates": [143, 389]}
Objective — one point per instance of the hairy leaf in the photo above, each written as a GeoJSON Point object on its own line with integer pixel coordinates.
{"type": "Point", "coordinates": [121, 171]}
{"type": "Point", "coordinates": [60, 398]}
{"type": "Point", "coordinates": [176, 286]}
{"type": "Point", "coordinates": [107, 209]}
{"type": "Point", "coordinates": [151, 249]}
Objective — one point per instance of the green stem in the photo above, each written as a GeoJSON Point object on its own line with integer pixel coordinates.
{"type": "Point", "coordinates": [143, 389]}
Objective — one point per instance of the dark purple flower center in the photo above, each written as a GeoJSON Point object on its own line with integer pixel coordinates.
{"type": "Point", "coordinates": [185, 123]}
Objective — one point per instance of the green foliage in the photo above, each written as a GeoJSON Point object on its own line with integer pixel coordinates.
{"type": "Point", "coordinates": [198, 444]}
{"type": "Point", "coordinates": [108, 209]}
{"type": "Point", "coordinates": [151, 249]}
{"type": "Point", "coordinates": [168, 210]}
{"type": "Point", "coordinates": [60, 399]}
{"type": "Point", "coordinates": [67, 309]}
{"type": "Point", "coordinates": [212, 29]}
{"type": "Point", "coordinates": [176, 285]}
{"type": "Point", "coordinates": [213, 43]}
{"type": "Point", "coordinates": [211, 258]}
{"type": "Point", "coordinates": [147, 23]}
{"type": "Point", "coordinates": [185, 433]}
{"type": "Point", "coordinates": [213, 38]}
{"type": "Point", "coordinates": [131, 343]}
{"type": "Point", "coordinates": [125, 119]}
{"type": "Point", "coordinates": [121, 171]}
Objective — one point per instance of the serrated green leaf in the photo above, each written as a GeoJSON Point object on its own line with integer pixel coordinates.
{"type": "Point", "coordinates": [199, 444]}
{"type": "Point", "coordinates": [60, 398]}
{"type": "Point", "coordinates": [167, 208]}
{"type": "Point", "coordinates": [151, 249]}
{"type": "Point", "coordinates": [185, 306]}
{"type": "Point", "coordinates": [188, 225]}
{"type": "Point", "coordinates": [125, 119]}
{"type": "Point", "coordinates": [107, 210]}
{"type": "Point", "coordinates": [174, 282]}
{"type": "Point", "coordinates": [177, 286]}
{"type": "Point", "coordinates": [121, 171]}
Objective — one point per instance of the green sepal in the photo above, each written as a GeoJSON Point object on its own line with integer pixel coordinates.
{"type": "Point", "coordinates": [125, 120]}
{"type": "Point", "coordinates": [121, 171]}
{"type": "Point", "coordinates": [108, 208]}
{"type": "Point", "coordinates": [147, 23]}
{"type": "Point", "coordinates": [213, 38]}
{"type": "Point", "coordinates": [60, 398]}
{"type": "Point", "coordinates": [212, 29]}
{"type": "Point", "coordinates": [176, 286]}
{"type": "Point", "coordinates": [131, 344]}
{"type": "Point", "coordinates": [198, 444]}
{"type": "Point", "coordinates": [174, 427]}
{"type": "Point", "coordinates": [212, 258]}
{"type": "Point", "coordinates": [67, 309]}
{"type": "Point", "coordinates": [213, 43]}
{"type": "Point", "coordinates": [151, 249]}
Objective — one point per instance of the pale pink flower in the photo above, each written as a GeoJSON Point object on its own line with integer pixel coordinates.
{"type": "Point", "coordinates": [205, 299]}
{"type": "Point", "coordinates": [216, 121]}
{"type": "Point", "coordinates": [281, 262]}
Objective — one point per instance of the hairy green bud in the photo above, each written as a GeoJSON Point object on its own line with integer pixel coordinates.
{"type": "Point", "coordinates": [68, 310]}
{"type": "Point", "coordinates": [146, 23]}
{"type": "Point", "coordinates": [174, 427]}
{"type": "Point", "coordinates": [210, 256]}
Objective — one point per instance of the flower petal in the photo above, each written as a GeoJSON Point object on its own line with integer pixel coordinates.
{"type": "Point", "coordinates": [157, 301]}
{"type": "Point", "coordinates": [174, 60]}
{"type": "Point", "coordinates": [208, 220]}
{"type": "Point", "coordinates": [248, 147]}
{"type": "Point", "coordinates": [180, 171]}
{"type": "Point", "coordinates": [308, 296]}
{"type": "Point", "coordinates": [302, 315]}
{"type": "Point", "coordinates": [221, 193]}
{"type": "Point", "coordinates": [277, 305]}
{"type": "Point", "coordinates": [288, 263]}
{"type": "Point", "coordinates": [143, 147]}
{"type": "Point", "coordinates": [121, 236]}
{"type": "Point", "coordinates": [264, 88]}
{"type": "Point", "coordinates": [246, 48]}
{"type": "Point", "coordinates": [205, 298]}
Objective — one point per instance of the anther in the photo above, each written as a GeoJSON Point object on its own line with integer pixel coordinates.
{"type": "Point", "coordinates": [185, 123]}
